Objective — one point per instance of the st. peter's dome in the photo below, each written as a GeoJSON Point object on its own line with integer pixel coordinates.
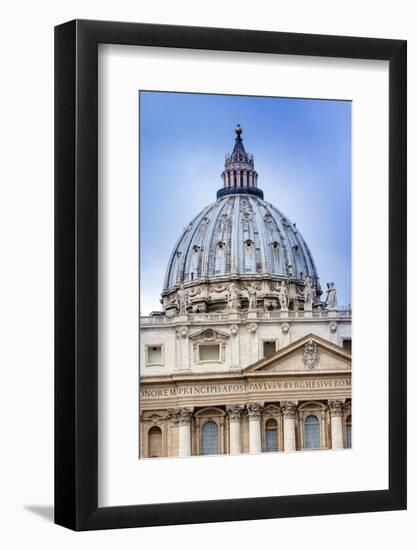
{"type": "Point", "coordinates": [240, 238]}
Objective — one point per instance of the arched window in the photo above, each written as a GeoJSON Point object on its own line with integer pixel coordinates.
{"type": "Point", "coordinates": [210, 438]}
{"type": "Point", "coordinates": [271, 436]}
{"type": "Point", "coordinates": [349, 432]}
{"type": "Point", "coordinates": [154, 442]}
{"type": "Point", "coordinates": [311, 432]}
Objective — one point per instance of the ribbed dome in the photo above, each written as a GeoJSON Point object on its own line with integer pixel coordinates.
{"type": "Point", "coordinates": [238, 243]}
{"type": "Point", "coordinates": [240, 236]}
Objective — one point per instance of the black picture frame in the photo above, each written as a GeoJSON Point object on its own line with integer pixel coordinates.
{"type": "Point", "coordinates": [76, 273]}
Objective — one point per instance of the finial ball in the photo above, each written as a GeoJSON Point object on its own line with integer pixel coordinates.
{"type": "Point", "coordinates": [238, 130]}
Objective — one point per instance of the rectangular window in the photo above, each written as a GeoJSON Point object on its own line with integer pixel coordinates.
{"type": "Point", "coordinates": [154, 355]}
{"type": "Point", "coordinates": [347, 345]}
{"type": "Point", "coordinates": [209, 352]}
{"type": "Point", "coordinates": [269, 348]}
{"type": "Point", "coordinates": [271, 440]}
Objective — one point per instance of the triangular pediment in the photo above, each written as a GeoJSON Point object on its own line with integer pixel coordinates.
{"type": "Point", "coordinates": [310, 353]}
{"type": "Point", "coordinates": [209, 335]}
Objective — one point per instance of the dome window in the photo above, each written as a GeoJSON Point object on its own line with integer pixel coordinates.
{"type": "Point", "coordinates": [220, 259]}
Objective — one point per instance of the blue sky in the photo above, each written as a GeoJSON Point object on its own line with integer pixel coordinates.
{"type": "Point", "coordinates": [302, 150]}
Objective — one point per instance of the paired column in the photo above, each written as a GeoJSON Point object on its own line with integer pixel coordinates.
{"type": "Point", "coordinates": [245, 178]}
{"type": "Point", "coordinates": [235, 413]}
{"type": "Point", "coordinates": [336, 412]}
{"type": "Point", "coordinates": [254, 414]}
{"type": "Point", "coordinates": [183, 417]}
{"type": "Point", "coordinates": [289, 411]}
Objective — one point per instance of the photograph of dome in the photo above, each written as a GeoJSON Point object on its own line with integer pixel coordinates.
{"type": "Point", "coordinates": [243, 348]}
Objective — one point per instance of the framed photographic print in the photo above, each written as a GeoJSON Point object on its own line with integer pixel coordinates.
{"type": "Point", "coordinates": [230, 275]}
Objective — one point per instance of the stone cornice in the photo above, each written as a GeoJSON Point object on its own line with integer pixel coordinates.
{"type": "Point", "coordinates": [147, 322]}
{"type": "Point", "coordinates": [234, 392]}
{"type": "Point", "coordinates": [228, 376]}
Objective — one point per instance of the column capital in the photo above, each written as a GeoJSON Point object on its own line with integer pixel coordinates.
{"type": "Point", "coordinates": [181, 415]}
{"type": "Point", "coordinates": [181, 332]}
{"type": "Point", "coordinates": [289, 408]}
{"type": "Point", "coordinates": [172, 415]}
{"type": "Point", "coordinates": [235, 411]}
{"type": "Point", "coordinates": [254, 410]}
{"type": "Point", "coordinates": [335, 407]}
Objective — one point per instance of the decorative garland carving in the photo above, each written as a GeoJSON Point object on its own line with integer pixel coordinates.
{"type": "Point", "coordinates": [333, 327]}
{"type": "Point", "coordinates": [285, 328]}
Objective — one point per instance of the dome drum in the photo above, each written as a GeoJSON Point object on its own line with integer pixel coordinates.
{"type": "Point", "coordinates": [215, 296]}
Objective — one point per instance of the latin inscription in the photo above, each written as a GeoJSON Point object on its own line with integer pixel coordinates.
{"type": "Point", "coordinates": [215, 389]}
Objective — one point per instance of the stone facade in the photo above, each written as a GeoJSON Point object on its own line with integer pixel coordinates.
{"type": "Point", "coordinates": [280, 388]}
{"type": "Point", "coordinates": [244, 356]}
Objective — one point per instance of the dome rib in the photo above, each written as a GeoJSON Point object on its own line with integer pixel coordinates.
{"type": "Point", "coordinates": [263, 241]}
{"type": "Point", "coordinates": [235, 253]}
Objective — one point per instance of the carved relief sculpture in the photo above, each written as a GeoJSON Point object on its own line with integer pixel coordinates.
{"type": "Point", "coordinates": [331, 300]}
{"type": "Point", "coordinates": [182, 300]}
{"type": "Point", "coordinates": [311, 356]}
{"type": "Point", "coordinates": [283, 296]}
{"type": "Point", "coordinates": [308, 294]}
{"type": "Point", "coordinates": [234, 330]}
{"type": "Point", "coordinates": [252, 297]}
{"type": "Point", "coordinates": [233, 298]}
{"type": "Point", "coordinates": [285, 328]}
